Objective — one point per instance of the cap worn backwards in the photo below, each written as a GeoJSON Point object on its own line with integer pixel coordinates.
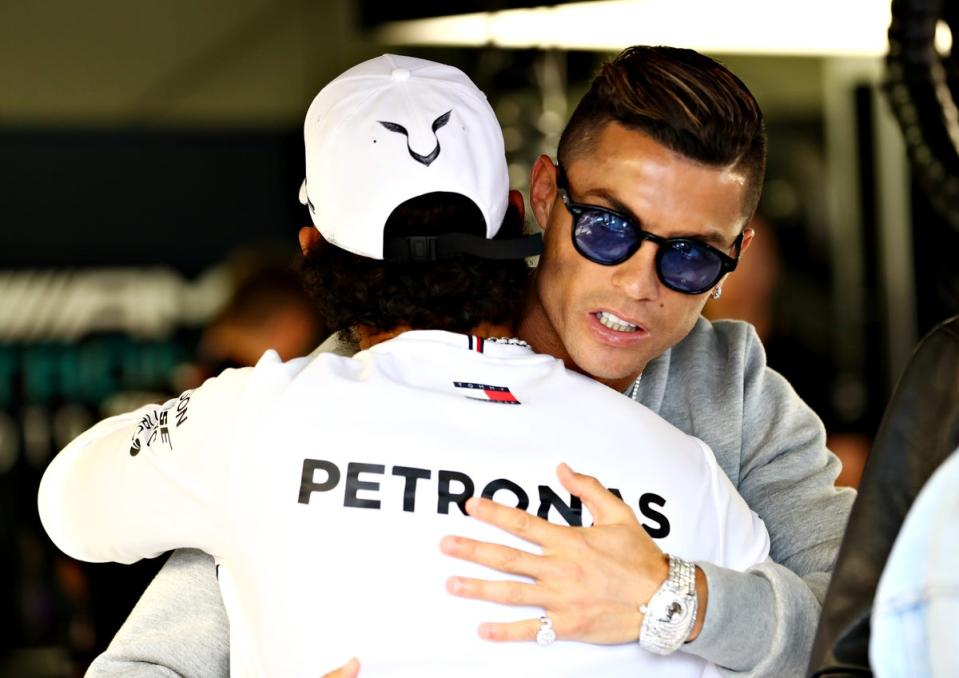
{"type": "Point", "coordinates": [394, 128]}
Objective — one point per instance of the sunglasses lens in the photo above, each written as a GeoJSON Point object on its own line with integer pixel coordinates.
{"type": "Point", "coordinates": [603, 237]}
{"type": "Point", "coordinates": [689, 267]}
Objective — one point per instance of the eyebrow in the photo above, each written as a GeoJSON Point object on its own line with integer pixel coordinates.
{"type": "Point", "coordinates": [713, 237]}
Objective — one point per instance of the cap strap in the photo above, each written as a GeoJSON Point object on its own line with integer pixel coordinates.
{"type": "Point", "coordinates": [439, 247]}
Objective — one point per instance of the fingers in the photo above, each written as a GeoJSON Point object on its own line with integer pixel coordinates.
{"type": "Point", "coordinates": [495, 556]}
{"type": "Point", "coordinates": [350, 669]}
{"type": "Point", "coordinates": [503, 592]}
{"type": "Point", "coordinates": [515, 521]}
{"type": "Point", "coordinates": [605, 507]}
{"type": "Point", "coordinates": [521, 631]}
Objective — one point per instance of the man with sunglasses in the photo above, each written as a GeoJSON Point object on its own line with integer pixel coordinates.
{"type": "Point", "coordinates": [659, 171]}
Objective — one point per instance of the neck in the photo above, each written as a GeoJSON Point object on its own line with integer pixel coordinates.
{"type": "Point", "coordinates": [368, 337]}
{"type": "Point", "coordinates": [620, 384]}
{"type": "Point", "coordinates": [488, 330]}
{"type": "Point", "coordinates": [536, 329]}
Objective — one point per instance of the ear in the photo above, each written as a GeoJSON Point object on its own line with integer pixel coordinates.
{"type": "Point", "coordinates": [748, 234]}
{"type": "Point", "coordinates": [515, 199]}
{"type": "Point", "coordinates": [542, 189]}
{"type": "Point", "coordinates": [309, 238]}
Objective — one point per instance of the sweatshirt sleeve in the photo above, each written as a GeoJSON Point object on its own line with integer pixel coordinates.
{"type": "Point", "coordinates": [139, 484]}
{"type": "Point", "coordinates": [762, 622]}
{"type": "Point", "coordinates": [178, 628]}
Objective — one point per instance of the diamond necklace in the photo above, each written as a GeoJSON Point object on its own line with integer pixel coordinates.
{"type": "Point", "coordinates": [633, 390]}
{"type": "Point", "coordinates": [512, 341]}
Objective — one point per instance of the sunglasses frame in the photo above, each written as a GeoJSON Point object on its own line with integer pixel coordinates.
{"type": "Point", "coordinates": [577, 209]}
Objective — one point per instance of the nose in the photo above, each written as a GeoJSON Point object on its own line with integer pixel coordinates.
{"type": "Point", "coordinates": [637, 275]}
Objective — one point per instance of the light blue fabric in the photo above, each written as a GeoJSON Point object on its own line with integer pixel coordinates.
{"type": "Point", "coordinates": [915, 619]}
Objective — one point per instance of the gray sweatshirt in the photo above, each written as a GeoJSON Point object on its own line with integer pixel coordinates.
{"type": "Point", "coordinates": [715, 385]}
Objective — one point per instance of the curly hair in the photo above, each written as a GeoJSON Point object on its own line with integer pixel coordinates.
{"type": "Point", "coordinates": [455, 294]}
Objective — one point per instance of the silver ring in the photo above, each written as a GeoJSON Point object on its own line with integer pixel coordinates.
{"type": "Point", "coordinates": [546, 634]}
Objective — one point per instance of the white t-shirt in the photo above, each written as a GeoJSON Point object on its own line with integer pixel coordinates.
{"type": "Point", "coordinates": [322, 487]}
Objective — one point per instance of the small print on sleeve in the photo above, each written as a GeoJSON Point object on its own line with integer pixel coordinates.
{"type": "Point", "coordinates": [154, 426]}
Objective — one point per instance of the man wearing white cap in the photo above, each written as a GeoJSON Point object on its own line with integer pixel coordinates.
{"type": "Point", "coordinates": [657, 175]}
{"type": "Point", "coordinates": [322, 486]}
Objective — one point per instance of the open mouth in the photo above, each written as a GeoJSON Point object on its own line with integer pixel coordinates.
{"type": "Point", "coordinates": [614, 322]}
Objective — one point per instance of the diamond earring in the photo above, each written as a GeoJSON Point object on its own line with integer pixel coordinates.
{"type": "Point", "coordinates": [717, 292]}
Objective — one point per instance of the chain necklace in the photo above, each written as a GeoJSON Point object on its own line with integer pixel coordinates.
{"type": "Point", "coordinates": [633, 390]}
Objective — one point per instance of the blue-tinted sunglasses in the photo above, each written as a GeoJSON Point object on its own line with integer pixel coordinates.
{"type": "Point", "coordinates": [607, 237]}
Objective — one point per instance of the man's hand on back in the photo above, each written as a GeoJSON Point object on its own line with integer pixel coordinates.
{"type": "Point", "coordinates": [590, 581]}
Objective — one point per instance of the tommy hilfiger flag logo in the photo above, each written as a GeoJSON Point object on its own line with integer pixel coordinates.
{"type": "Point", "coordinates": [485, 392]}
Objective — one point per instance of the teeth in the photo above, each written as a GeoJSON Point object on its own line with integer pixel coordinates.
{"type": "Point", "coordinates": [615, 323]}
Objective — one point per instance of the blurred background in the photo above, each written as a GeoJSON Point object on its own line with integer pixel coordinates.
{"type": "Point", "coordinates": [150, 158]}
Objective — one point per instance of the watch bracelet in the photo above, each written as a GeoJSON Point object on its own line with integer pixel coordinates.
{"type": "Point", "coordinates": [683, 573]}
{"type": "Point", "coordinates": [664, 636]}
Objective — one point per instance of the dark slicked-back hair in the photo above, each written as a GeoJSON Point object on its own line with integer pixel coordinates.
{"type": "Point", "coordinates": [681, 99]}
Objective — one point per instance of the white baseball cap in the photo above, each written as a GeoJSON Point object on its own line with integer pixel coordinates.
{"type": "Point", "coordinates": [394, 128]}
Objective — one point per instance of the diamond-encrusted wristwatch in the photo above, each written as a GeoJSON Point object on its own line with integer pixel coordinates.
{"type": "Point", "coordinates": [670, 614]}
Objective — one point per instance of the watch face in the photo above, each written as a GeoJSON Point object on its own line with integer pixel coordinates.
{"type": "Point", "coordinates": [669, 608]}
{"type": "Point", "coordinates": [671, 612]}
